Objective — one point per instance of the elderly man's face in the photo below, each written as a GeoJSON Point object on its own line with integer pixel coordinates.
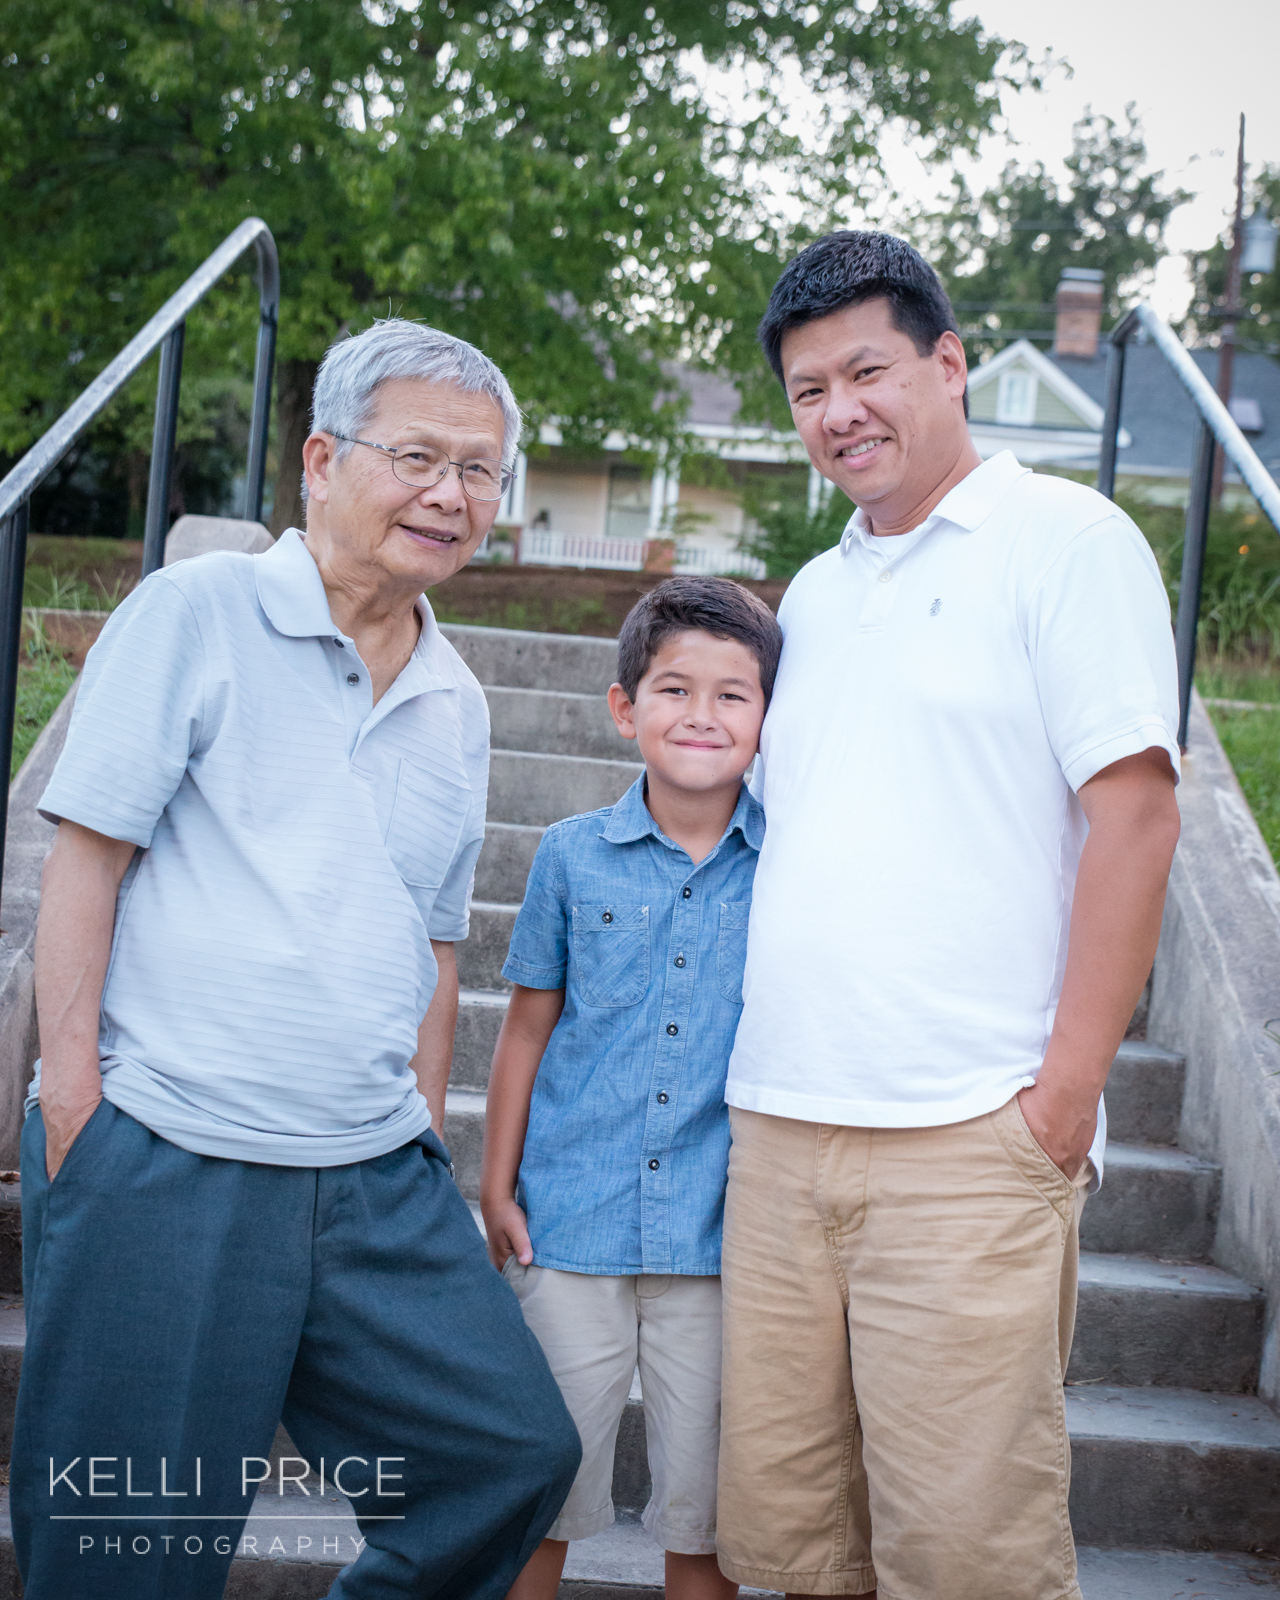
{"type": "Point", "coordinates": [369, 515]}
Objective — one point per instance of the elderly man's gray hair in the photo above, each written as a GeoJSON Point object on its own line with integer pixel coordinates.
{"type": "Point", "coordinates": [353, 370]}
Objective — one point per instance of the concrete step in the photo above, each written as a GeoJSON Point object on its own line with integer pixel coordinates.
{"type": "Point", "coordinates": [624, 1563]}
{"type": "Point", "coordinates": [538, 789]}
{"type": "Point", "coordinates": [505, 859]}
{"type": "Point", "coordinates": [480, 1014]}
{"type": "Point", "coordinates": [1154, 1201]}
{"type": "Point", "coordinates": [464, 1135]}
{"type": "Point", "coordinates": [481, 954]}
{"type": "Point", "coordinates": [294, 1548]}
{"type": "Point", "coordinates": [1143, 1321]}
{"type": "Point", "coordinates": [554, 723]}
{"type": "Point", "coordinates": [1173, 1468]}
{"type": "Point", "coordinates": [1144, 1094]}
{"type": "Point", "coordinates": [568, 662]}
{"type": "Point", "coordinates": [1151, 1468]}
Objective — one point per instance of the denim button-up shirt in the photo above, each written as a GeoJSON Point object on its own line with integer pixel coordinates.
{"type": "Point", "coordinates": [627, 1148]}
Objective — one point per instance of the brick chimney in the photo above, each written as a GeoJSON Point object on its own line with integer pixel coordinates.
{"type": "Point", "coordinates": [1079, 312]}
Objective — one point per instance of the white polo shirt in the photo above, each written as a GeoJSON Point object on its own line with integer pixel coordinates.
{"type": "Point", "coordinates": [299, 849]}
{"type": "Point", "coordinates": [941, 698]}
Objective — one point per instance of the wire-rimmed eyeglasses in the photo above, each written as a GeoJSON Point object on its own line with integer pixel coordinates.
{"type": "Point", "coordinates": [420, 466]}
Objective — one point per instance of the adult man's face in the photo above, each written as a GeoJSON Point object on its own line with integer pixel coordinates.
{"type": "Point", "coordinates": [881, 421]}
{"type": "Point", "coordinates": [369, 517]}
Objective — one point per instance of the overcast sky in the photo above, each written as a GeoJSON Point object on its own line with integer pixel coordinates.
{"type": "Point", "coordinates": [1191, 69]}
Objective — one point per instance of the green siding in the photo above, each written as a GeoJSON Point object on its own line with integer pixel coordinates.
{"type": "Point", "coordinates": [982, 402]}
{"type": "Point", "coordinates": [1051, 412]}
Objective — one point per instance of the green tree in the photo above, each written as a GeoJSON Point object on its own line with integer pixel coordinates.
{"type": "Point", "coordinates": [543, 177]}
{"type": "Point", "coordinates": [1260, 328]}
{"type": "Point", "coordinates": [1002, 254]}
{"type": "Point", "coordinates": [784, 530]}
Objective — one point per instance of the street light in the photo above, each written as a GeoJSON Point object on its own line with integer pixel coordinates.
{"type": "Point", "coordinates": [1260, 235]}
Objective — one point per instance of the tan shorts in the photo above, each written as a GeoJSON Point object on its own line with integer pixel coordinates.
{"type": "Point", "coordinates": [898, 1311]}
{"type": "Point", "coordinates": [594, 1331]}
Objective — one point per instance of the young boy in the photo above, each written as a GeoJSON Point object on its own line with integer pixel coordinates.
{"type": "Point", "coordinates": [607, 1137]}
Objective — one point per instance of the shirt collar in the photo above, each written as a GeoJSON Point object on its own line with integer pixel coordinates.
{"type": "Point", "coordinates": [291, 592]}
{"type": "Point", "coordinates": [967, 506]}
{"type": "Point", "coordinates": [631, 819]}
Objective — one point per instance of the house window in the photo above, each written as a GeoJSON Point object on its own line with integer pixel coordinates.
{"type": "Point", "coordinates": [629, 493]}
{"type": "Point", "coordinates": [1246, 412]}
{"type": "Point", "coordinates": [1016, 397]}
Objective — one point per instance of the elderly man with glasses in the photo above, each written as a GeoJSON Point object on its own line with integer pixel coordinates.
{"type": "Point", "coordinates": [237, 1207]}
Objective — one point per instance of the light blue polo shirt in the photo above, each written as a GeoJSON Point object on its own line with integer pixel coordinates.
{"type": "Point", "coordinates": [299, 847]}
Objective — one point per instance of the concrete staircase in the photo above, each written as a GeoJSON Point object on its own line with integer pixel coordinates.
{"type": "Point", "coordinates": [1176, 1485]}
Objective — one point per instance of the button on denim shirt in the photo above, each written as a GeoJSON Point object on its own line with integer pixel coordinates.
{"type": "Point", "coordinates": [627, 1150]}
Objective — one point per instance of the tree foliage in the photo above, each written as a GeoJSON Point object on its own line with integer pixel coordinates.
{"type": "Point", "coordinates": [545, 177]}
{"type": "Point", "coordinates": [1260, 328]}
{"type": "Point", "coordinates": [1002, 254]}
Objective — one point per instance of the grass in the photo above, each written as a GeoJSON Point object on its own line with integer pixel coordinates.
{"type": "Point", "coordinates": [569, 615]}
{"type": "Point", "coordinates": [44, 676]}
{"type": "Point", "coordinates": [1252, 742]}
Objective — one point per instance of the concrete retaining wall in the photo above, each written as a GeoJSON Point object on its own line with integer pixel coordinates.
{"type": "Point", "coordinates": [1215, 992]}
{"type": "Point", "coordinates": [27, 844]}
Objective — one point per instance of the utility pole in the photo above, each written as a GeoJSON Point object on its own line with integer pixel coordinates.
{"type": "Point", "coordinates": [1231, 313]}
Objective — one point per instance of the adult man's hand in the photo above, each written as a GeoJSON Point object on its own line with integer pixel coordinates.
{"type": "Point", "coordinates": [1062, 1124]}
{"type": "Point", "coordinates": [1132, 813]}
{"type": "Point", "coordinates": [78, 891]}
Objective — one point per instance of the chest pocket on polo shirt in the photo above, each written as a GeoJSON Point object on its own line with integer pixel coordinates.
{"type": "Point", "coordinates": [731, 955]}
{"type": "Point", "coordinates": [426, 823]}
{"type": "Point", "coordinates": [611, 953]}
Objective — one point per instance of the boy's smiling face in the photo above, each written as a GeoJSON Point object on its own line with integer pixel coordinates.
{"type": "Point", "coordinates": [697, 713]}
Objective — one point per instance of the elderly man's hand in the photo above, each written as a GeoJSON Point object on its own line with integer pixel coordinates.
{"type": "Point", "coordinates": [64, 1117]}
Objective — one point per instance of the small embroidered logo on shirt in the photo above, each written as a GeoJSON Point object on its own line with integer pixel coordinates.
{"type": "Point", "coordinates": [935, 608]}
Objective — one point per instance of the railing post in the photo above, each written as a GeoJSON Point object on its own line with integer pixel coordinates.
{"type": "Point", "coordinates": [255, 476]}
{"type": "Point", "coordinates": [162, 442]}
{"type": "Point", "coordinates": [1111, 422]}
{"type": "Point", "coordinates": [13, 566]}
{"type": "Point", "coordinates": [1193, 548]}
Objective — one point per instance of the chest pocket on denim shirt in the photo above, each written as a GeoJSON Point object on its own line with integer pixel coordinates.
{"type": "Point", "coordinates": [731, 957]}
{"type": "Point", "coordinates": [611, 953]}
{"type": "Point", "coordinates": [426, 823]}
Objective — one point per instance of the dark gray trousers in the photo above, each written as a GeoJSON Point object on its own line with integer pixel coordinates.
{"type": "Point", "coordinates": [179, 1306]}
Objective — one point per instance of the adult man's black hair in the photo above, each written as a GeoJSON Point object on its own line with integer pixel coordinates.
{"type": "Point", "coordinates": [844, 269]}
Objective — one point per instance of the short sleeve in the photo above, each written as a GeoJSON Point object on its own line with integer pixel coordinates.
{"type": "Point", "coordinates": [136, 720]}
{"type": "Point", "coordinates": [1101, 648]}
{"type": "Point", "coordinates": [450, 915]}
{"type": "Point", "coordinates": [538, 954]}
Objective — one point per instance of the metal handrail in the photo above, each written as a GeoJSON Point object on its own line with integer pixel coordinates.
{"type": "Point", "coordinates": [166, 329]}
{"type": "Point", "coordinates": [1217, 427]}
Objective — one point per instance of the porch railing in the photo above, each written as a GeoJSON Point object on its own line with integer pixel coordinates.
{"type": "Point", "coordinates": [1216, 427]}
{"type": "Point", "coordinates": [165, 330]}
{"type": "Point", "coordinates": [545, 547]}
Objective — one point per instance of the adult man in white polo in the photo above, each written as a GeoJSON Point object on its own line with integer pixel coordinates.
{"type": "Point", "coordinates": [968, 774]}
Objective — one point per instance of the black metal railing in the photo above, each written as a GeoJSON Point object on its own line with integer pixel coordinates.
{"type": "Point", "coordinates": [165, 329]}
{"type": "Point", "coordinates": [1216, 427]}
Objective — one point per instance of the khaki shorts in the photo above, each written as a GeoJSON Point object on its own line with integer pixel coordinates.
{"type": "Point", "coordinates": [594, 1331]}
{"type": "Point", "coordinates": [898, 1311]}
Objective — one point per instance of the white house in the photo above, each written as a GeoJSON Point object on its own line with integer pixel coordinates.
{"type": "Point", "coordinates": [565, 509]}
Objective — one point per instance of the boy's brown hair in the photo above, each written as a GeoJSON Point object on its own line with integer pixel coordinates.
{"type": "Point", "coordinates": [718, 606]}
